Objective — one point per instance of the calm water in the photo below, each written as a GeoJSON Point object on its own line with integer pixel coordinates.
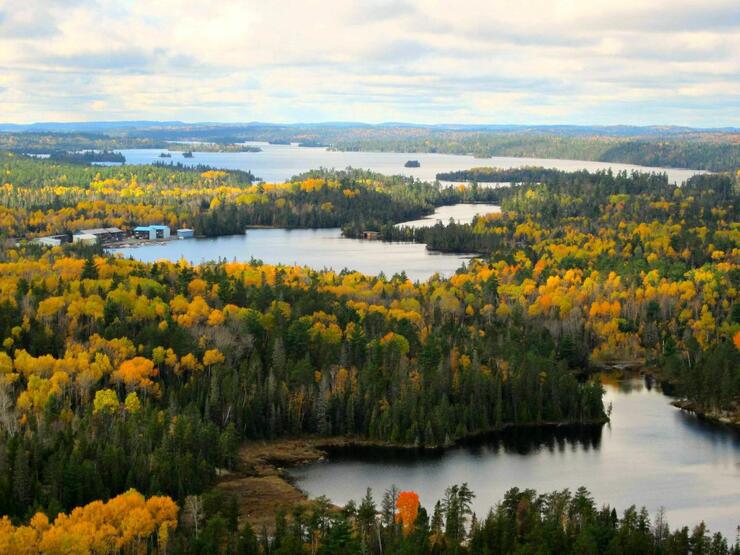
{"type": "Point", "coordinates": [650, 454]}
{"type": "Point", "coordinates": [321, 248]}
{"type": "Point", "coordinates": [462, 213]}
{"type": "Point", "coordinates": [276, 163]}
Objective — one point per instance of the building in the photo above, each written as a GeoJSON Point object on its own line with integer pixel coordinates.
{"type": "Point", "coordinates": [51, 240]}
{"type": "Point", "coordinates": [152, 232]}
{"type": "Point", "coordinates": [103, 235]}
{"type": "Point", "coordinates": [184, 233]}
{"type": "Point", "coordinates": [371, 235]}
{"type": "Point", "coordinates": [85, 238]}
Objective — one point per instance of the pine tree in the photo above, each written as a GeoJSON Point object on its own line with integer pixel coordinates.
{"type": "Point", "coordinates": [89, 270]}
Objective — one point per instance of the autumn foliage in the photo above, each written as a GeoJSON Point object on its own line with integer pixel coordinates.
{"type": "Point", "coordinates": [127, 523]}
{"type": "Point", "coordinates": [408, 507]}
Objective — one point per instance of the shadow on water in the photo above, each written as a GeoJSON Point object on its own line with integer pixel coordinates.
{"type": "Point", "coordinates": [709, 430]}
{"type": "Point", "coordinates": [650, 454]}
{"type": "Point", "coordinates": [524, 440]}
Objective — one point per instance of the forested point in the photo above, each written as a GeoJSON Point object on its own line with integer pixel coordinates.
{"type": "Point", "coordinates": [654, 246]}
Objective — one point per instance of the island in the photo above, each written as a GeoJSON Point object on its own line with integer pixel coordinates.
{"type": "Point", "coordinates": [412, 164]}
{"type": "Point", "coordinates": [87, 156]}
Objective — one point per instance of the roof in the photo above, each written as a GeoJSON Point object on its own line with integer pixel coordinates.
{"type": "Point", "coordinates": [99, 231]}
{"type": "Point", "coordinates": [150, 227]}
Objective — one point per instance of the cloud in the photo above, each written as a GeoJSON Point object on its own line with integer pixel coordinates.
{"type": "Point", "coordinates": [525, 61]}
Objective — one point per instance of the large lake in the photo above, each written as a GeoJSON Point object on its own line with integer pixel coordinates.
{"type": "Point", "coordinates": [321, 248]}
{"type": "Point", "coordinates": [276, 163]}
{"type": "Point", "coordinates": [650, 454]}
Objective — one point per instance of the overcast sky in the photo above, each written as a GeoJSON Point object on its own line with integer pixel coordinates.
{"type": "Point", "coordinates": [447, 61]}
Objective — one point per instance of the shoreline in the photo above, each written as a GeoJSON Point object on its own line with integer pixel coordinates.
{"type": "Point", "coordinates": [720, 417]}
{"type": "Point", "coordinates": [263, 487]}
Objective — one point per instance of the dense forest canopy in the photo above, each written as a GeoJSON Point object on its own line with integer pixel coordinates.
{"type": "Point", "coordinates": [524, 521]}
{"type": "Point", "coordinates": [666, 255]}
{"type": "Point", "coordinates": [119, 375]}
{"type": "Point", "coordinates": [46, 143]}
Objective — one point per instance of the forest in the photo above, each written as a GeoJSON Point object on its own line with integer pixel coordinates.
{"type": "Point", "coordinates": [47, 142]}
{"type": "Point", "coordinates": [559, 522]}
{"type": "Point", "coordinates": [666, 255]}
{"type": "Point", "coordinates": [87, 156]}
{"type": "Point", "coordinates": [120, 374]}
{"type": "Point", "coordinates": [701, 154]}
{"type": "Point", "coordinates": [46, 198]}
{"type": "Point", "coordinates": [128, 387]}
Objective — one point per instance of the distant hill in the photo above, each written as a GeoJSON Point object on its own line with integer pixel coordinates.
{"type": "Point", "coordinates": [565, 130]}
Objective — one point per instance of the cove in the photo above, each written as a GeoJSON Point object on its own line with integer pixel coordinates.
{"type": "Point", "coordinates": [650, 454]}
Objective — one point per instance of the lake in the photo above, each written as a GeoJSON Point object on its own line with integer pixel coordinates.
{"type": "Point", "coordinates": [650, 454]}
{"type": "Point", "coordinates": [277, 163]}
{"type": "Point", "coordinates": [321, 248]}
{"type": "Point", "coordinates": [462, 213]}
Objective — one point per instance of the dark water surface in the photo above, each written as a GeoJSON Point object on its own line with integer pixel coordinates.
{"type": "Point", "coordinates": [650, 454]}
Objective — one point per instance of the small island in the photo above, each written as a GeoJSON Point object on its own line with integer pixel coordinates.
{"type": "Point", "coordinates": [187, 154]}
{"type": "Point", "coordinates": [88, 157]}
{"type": "Point", "coordinates": [165, 155]}
{"type": "Point", "coordinates": [412, 164]}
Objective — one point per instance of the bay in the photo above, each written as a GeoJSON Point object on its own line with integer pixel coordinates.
{"type": "Point", "coordinates": [650, 454]}
{"type": "Point", "coordinates": [277, 163]}
{"type": "Point", "coordinates": [320, 248]}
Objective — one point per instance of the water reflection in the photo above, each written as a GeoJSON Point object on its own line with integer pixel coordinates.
{"type": "Point", "coordinates": [319, 248]}
{"type": "Point", "coordinates": [650, 454]}
{"type": "Point", "coordinates": [519, 441]}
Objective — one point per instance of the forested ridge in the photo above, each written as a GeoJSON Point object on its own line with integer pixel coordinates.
{"type": "Point", "coordinates": [45, 142]}
{"type": "Point", "coordinates": [119, 375]}
{"type": "Point", "coordinates": [702, 154]}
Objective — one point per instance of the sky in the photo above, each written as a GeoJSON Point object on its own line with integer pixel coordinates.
{"type": "Point", "coordinates": [657, 62]}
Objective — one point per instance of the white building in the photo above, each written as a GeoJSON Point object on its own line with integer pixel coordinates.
{"type": "Point", "coordinates": [85, 238]}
